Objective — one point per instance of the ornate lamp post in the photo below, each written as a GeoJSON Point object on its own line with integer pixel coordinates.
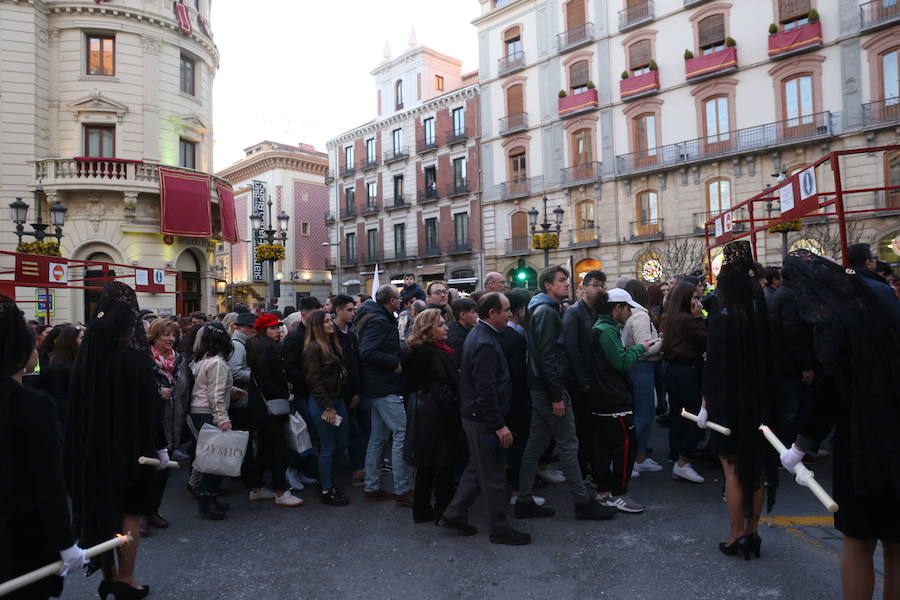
{"type": "Point", "coordinates": [547, 239]}
{"type": "Point", "coordinates": [18, 214]}
{"type": "Point", "coordinates": [270, 237]}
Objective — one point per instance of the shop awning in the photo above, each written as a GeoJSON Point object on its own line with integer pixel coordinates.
{"type": "Point", "coordinates": [185, 203]}
{"type": "Point", "coordinates": [227, 213]}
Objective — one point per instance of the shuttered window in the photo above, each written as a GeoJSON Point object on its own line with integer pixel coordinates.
{"type": "Point", "coordinates": [579, 74]}
{"type": "Point", "coordinates": [511, 34]}
{"type": "Point", "coordinates": [514, 100]}
{"type": "Point", "coordinates": [640, 55]}
{"type": "Point", "coordinates": [574, 14]}
{"type": "Point", "coordinates": [789, 10]}
{"type": "Point", "coordinates": [711, 33]}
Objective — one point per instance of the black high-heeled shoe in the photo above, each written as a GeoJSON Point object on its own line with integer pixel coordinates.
{"type": "Point", "coordinates": [755, 543]}
{"type": "Point", "coordinates": [105, 589]}
{"type": "Point", "coordinates": [123, 591]}
{"type": "Point", "coordinates": [731, 549]}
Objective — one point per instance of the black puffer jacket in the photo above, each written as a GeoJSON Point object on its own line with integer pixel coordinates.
{"type": "Point", "coordinates": [379, 351]}
{"type": "Point", "coordinates": [434, 436]}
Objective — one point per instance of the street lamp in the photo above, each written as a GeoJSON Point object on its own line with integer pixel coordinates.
{"type": "Point", "coordinates": [18, 214]}
{"type": "Point", "coordinates": [546, 226]}
{"type": "Point", "coordinates": [270, 235]}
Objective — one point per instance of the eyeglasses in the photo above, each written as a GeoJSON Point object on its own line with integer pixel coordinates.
{"type": "Point", "coordinates": [439, 292]}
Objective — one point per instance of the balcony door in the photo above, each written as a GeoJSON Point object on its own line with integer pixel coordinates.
{"type": "Point", "coordinates": [889, 72]}
{"type": "Point", "coordinates": [798, 106]}
{"type": "Point", "coordinates": [575, 20]}
{"type": "Point", "coordinates": [515, 106]}
{"type": "Point", "coordinates": [644, 135]}
{"type": "Point", "coordinates": [519, 239]}
{"type": "Point", "coordinates": [582, 160]}
{"type": "Point", "coordinates": [647, 213]}
{"type": "Point", "coordinates": [584, 226]}
{"type": "Point", "coordinates": [718, 197]}
{"type": "Point", "coordinates": [716, 125]}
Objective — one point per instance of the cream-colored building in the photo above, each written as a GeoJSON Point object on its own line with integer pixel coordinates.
{"type": "Point", "coordinates": [293, 177]}
{"type": "Point", "coordinates": [94, 98]}
{"type": "Point", "coordinates": [642, 119]}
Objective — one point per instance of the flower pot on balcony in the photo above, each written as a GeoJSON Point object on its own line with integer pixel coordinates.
{"type": "Point", "coordinates": [710, 65]}
{"type": "Point", "coordinates": [799, 39]}
{"type": "Point", "coordinates": [577, 103]}
{"type": "Point", "coordinates": [637, 86]}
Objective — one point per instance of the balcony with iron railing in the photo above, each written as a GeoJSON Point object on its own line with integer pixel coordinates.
{"type": "Point", "coordinates": [459, 247]}
{"type": "Point", "coordinates": [510, 63]}
{"type": "Point", "coordinates": [370, 257]}
{"type": "Point", "coordinates": [429, 194]}
{"type": "Point", "coordinates": [394, 254]}
{"type": "Point", "coordinates": [517, 246]}
{"type": "Point", "coordinates": [636, 14]}
{"type": "Point", "coordinates": [513, 123]}
{"type": "Point", "coordinates": [370, 208]}
{"type": "Point", "coordinates": [759, 137]}
{"type": "Point", "coordinates": [397, 202]}
{"type": "Point", "coordinates": [575, 37]}
{"type": "Point", "coordinates": [348, 212]}
{"type": "Point", "coordinates": [370, 162]}
{"type": "Point", "coordinates": [701, 218]}
{"type": "Point", "coordinates": [396, 154]}
{"type": "Point", "coordinates": [584, 237]}
{"type": "Point", "coordinates": [458, 135]}
{"type": "Point", "coordinates": [881, 113]}
{"type": "Point", "coordinates": [516, 188]}
{"type": "Point", "coordinates": [426, 145]}
{"type": "Point", "coordinates": [877, 14]}
{"type": "Point", "coordinates": [347, 170]}
{"type": "Point", "coordinates": [580, 174]}
{"type": "Point", "coordinates": [458, 188]}
{"type": "Point", "coordinates": [432, 249]}
{"type": "Point", "coordinates": [647, 229]}
{"type": "Point", "coordinates": [349, 260]}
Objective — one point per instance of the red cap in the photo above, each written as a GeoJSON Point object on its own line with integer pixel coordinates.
{"type": "Point", "coordinates": [266, 320]}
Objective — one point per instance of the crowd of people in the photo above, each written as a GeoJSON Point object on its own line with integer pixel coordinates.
{"type": "Point", "coordinates": [433, 398]}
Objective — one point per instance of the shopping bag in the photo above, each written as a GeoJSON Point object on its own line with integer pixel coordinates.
{"type": "Point", "coordinates": [220, 452]}
{"type": "Point", "coordinates": [297, 434]}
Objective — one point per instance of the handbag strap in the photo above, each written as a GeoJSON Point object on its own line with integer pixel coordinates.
{"type": "Point", "coordinates": [258, 389]}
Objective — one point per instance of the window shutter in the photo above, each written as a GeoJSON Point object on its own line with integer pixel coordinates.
{"type": "Point", "coordinates": [511, 34]}
{"type": "Point", "coordinates": [792, 9]}
{"type": "Point", "coordinates": [711, 30]}
{"type": "Point", "coordinates": [579, 74]}
{"type": "Point", "coordinates": [514, 99]}
{"type": "Point", "coordinates": [574, 14]}
{"type": "Point", "coordinates": [519, 225]}
{"type": "Point", "coordinates": [639, 54]}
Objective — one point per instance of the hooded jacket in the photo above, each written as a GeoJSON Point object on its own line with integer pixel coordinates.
{"type": "Point", "coordinates": [379, 351]}
{"type": "Point", "coordinates": [611, 391]}
{"type": "Point", "coordinates": [546, 355]}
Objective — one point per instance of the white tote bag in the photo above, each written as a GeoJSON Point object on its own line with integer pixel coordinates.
{"type": "Point", "coordinates": [220, 452]}
{"type": "Point", "coordinates": [297, 434]}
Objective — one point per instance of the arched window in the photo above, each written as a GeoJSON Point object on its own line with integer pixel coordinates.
{"type": "Point", "coordinates": [644, 136]}
{"type": "Point", "coordinates": [889, 74]}
{"type": "Point", "coordinates": [715, 119]}
{"type": "Point", "coordinates": [797, 97]}
{"type": "Point", "coordinates": [581, 147]}
{"type": "Point", "coordinates": [584, 222]}
{"type": "Point", "coordinates": [575, 16]}
{"type": "Point", "coordinates": [518, 172]}
{"type": "Point", "coordinates": [518, 236]}
{"type": "Point", "coordinates": [512, 43]}
{"type": "Point", "coordinates": [579, 75]}
{"type": "Point", "coordinates": [646, 213]}
{"type": "Point", "coordinates": [711, 34]}
{"type": "Point", "coordinates": [398, 94]}
{"type": "Point", "coordinates": [640, 54]}
{"type": "Point", "coordinates": [718, 196]}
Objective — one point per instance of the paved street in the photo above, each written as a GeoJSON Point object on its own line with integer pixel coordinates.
{"type": "Point", "coordinates": [375, 551]}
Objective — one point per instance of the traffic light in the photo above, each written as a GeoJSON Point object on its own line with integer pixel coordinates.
{"type": "Point", "coordinates": [521, 274]}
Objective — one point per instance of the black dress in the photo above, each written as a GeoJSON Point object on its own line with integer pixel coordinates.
{"type": "Point", "coordinates": [35, 518]}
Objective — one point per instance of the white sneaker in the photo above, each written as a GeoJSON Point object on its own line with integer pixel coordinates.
{"type": "Point", "coordinates": [623, 503]}
{"type": "Point", "coordinates": [649, 465]}
{"type": "Point", "coordinates": [288, 499]}
{"type": "Point", "coordinates": [551, 475]}
{"type": "Point", "coordinates": [293, 479]}
{"type": "Point", "coordinates": [539, 500]}
{"type": "Point", "coordinates": [262, 494]}
{"type": "Point", "coordinates": [686, 472]}
{"type": "Point", "coordinates": [635, 473]}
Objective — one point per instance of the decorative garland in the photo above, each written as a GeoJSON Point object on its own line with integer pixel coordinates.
{"type": "Point", "coordinates": [545, 241]}
{"type": "Point", "coordinates": [266, 252]}
{"type": "Point", "coordinates": [795, 225]}
{"type": "Point", "coordinates": [42, 248]}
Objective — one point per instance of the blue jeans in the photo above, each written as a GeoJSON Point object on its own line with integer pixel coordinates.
{"type": "Point", "coordinates": [332, 440]}
{"type": "Point", "coordinates": [643, 382]}
{"type": "Point", "coordinates": [360, 429]}
{"type": "Point", "coordinates": [388, 417]}
{"type": "Point", "coordinates": [683, 387]}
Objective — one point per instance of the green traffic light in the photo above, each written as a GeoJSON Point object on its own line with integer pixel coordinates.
{"type": "Point", "coordinates": [521, 275]}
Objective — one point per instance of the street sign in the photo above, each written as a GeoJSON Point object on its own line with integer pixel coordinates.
{"type": "Point", "coordinates": [149, 280]}
{"type": "Point", "coordinates": [42, 270]}
{"type": "Point", "coordinates": [44, 304]}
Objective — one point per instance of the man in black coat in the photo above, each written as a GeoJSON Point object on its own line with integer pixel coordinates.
{"type": "Point", "coordinates": [484, 389]}
{"type": "Point", "coordinates": [381, 393]}
{"type": "Point", "coordinates": [577, 322]}
{"type": "Point", "coordinates": [466, 313]}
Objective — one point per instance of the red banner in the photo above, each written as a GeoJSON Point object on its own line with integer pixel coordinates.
{"type": "Point", "coordinates": [38, 270]}
{"type": "Point", "coordinates": [184, 18]}
{"type": "Point", "coordinates": [227, 213]}
{"type": "Point", "coordinates": [185, 202]}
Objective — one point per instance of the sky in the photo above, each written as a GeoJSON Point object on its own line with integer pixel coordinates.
{"type": "Point", "coordinates": [296, 71]}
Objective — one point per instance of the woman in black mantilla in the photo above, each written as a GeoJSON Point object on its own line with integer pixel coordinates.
{"type": "Point", "coordinates": [737, 394]}
{"type": "Point", "coordinates": [857, 346]}
{"type": "Point", "coordinates": [35, 524]}
{"type": "Point", "coordinates": [115, 418]}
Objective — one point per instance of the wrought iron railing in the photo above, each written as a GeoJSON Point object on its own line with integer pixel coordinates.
{"type": "Point", "coordinates": [635, 14]}
{"type": "Point", "coordinates": [513, 122]}
{"type": "Point", "coordinates": [574, 37]}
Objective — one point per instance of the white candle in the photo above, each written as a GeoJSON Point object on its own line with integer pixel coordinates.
{"type": "Point", "coordinates": [154, 462]}
{"type": "Point", "coordinates": [804, 476]}
{"type": "Point", "coordinates": [51, 569]}
{"type": "Point", "coordinates": [709, 424]}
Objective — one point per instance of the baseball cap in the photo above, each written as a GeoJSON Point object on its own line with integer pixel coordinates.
{"type": "Point", "coordinates": [266, 320]}
{"type": "Point", "coordinates": [620, 295]}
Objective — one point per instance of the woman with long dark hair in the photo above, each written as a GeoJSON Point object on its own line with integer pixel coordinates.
{"type": "Point", "coordinates": [325, 376]}
{"type": "Point", "coordinates": [268, 381]}
{"type": "Point", "coordinates": [738, 393]}
{"type": "Point", "coordinates": [684, 342]}
{"type": "Point", "coordinates": [33, 497]}
{"type": "Point", "coordinates": [115, 418]}
{"type": "Point", "coordinates": [435, 443]}
{"type": "Point", "coordinates": [56, 374]}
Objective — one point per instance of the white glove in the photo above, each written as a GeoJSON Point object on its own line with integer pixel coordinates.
{"type": "Point", "coordinates": [163, 456]}
{"type": "Point", "coordinates": [791, 457]}
{"type": "Point", "coordinates": [72, 559]}
{"type": "Point", "coordinates": [702, 416]}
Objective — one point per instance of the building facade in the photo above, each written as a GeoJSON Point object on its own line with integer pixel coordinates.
{"type": "Point", "coordinates": [643, 119]}
{"type": "Point", "coordinates": [94, 98]}
{"type": "Point", "coordinates": [404, 188]}
{"type": "Point", "coordinates": [293, 177]}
